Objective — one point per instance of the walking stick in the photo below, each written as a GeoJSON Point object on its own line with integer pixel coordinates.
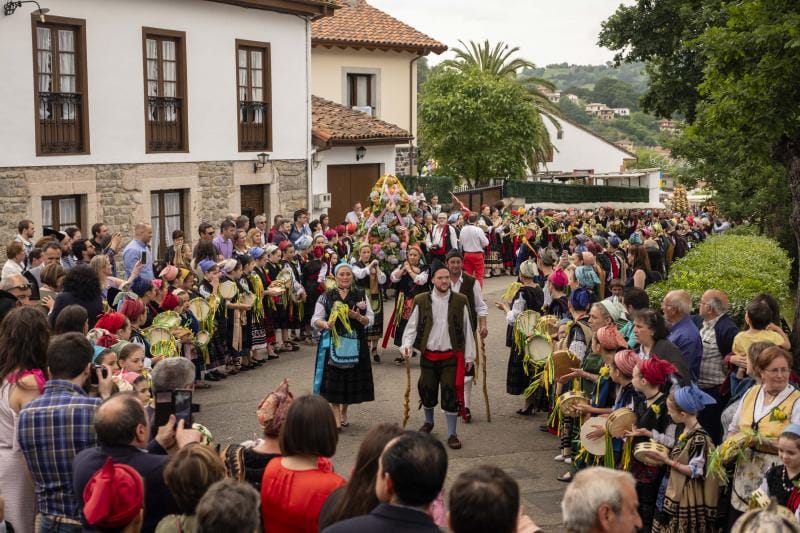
{"type": "Point", "coordinates": [407, 397]}
{"type": "Point", "coordinates": [482, 352]}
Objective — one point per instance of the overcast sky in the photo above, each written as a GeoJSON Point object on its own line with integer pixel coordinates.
{"type": "Point", "coordinates": [546, 31]}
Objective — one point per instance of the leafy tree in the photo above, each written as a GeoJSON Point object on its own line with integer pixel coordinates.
{"type": "Point", "coordinates": [423, 70]}
{"type": "Point", "coordinates": [479, 126]}
{"type": "Point", "coordinates": [573, 111]}
{"type": "Point", "coordinates": [615, 93]}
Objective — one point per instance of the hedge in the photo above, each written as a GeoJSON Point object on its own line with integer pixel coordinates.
{"type": "Point", "coordinates": [741, 266]}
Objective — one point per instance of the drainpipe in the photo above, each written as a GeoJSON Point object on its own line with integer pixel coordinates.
{"type": "Point", "coordinates": [411, 91]}
{"type": "Point", "coordinates": [309, 155]}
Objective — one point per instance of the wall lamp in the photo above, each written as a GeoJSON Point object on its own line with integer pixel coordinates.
{"type": "Point", "coordinates": [11, 6]}
{"type": "Point", "coordinates": [360, 153]}
{"type": "Point", "coordinates": [262, 160]}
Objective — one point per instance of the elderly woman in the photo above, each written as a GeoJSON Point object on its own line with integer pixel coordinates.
{"type": "Point", "coordinates": [343, 374]}
{"type": "Point", "coordinates": [766, 409]}
{"type": "Point", "coordinates": [650, 330]}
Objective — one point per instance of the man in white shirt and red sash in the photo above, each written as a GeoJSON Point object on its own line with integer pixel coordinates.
{"type": "Point", "coordinates": [473, 243]}
{"type": "Point", "coordinates": [439, 328]}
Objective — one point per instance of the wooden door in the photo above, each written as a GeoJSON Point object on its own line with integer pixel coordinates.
{"type": "Point", "coordinates": [253, 201]}
{"type": "Point", "coordinates": [347, 185]}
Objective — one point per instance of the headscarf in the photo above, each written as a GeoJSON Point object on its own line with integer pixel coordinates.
{"type": "Point", "coordinates": [341, 265]}
{"type": "Point", "coordinates": [120, 344]}
{"type": "Point", "coordinates": [140, 286]}
{"type": "Point", "coordinates": [625, 361]}
{"type": "Point", "coordinates": [111, 322]}
{"type": "Point", "coordinates": [256, 252]}
{"type": "Point", "coordinates": [635, 238]}
{"type": "Point", "coordinates": [113, 497]}
{"type": "Point", "coordinates": [691, 399]}
{"type": "Point", "coordinates": [303, 242]}
{"type": "Point", "coordinates": [229, 265]}
{"type": "Point", "coordinates": [586, 277]}
{"type": "Point", "coordinates": [182, 273]}
{"type": "Point", "coordinates": [580, 299]}
{"type": "Point", "coordinates": [794, 429]}
{"type": "Point", "coordinates": [558, 279]}
{"type": "Point", "coordinates": [330, 233]}
{"type": "Point", "coordinates": [98, 350]}
{"type": "Point", "coordinates": [284, 245]}
{"type": "Point", "coordinates": [271, 412]}
{"type": "Point", "coordinates": [169, 273]}
{"type": "Point", "coordinates": [656, 370]}
{"type": "Point", "coordinates": [206, 265]}
{"type": "Point", "coordinates": [610, 338]}
{"type": "Point", "coordinates": [528, 269]}
{"type": "Point", "coordinates": [270, 249]}
{"type": "Point", "coordinates": [170, 302]}
{"type": "Point", "coordinates": [614, 308]}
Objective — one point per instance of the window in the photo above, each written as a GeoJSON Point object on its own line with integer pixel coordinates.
{"type": "Point", "coordinates": [361, 92]}
{"type": "Point", "coordinates": [165, 91]}
{"type": "Point", "coordinates": [61, 212]}
{"type": "Point", "coordinates": [253, 94]}
{"type": "Point", "coordinates": [59, 58]}
{"type": "Point", "coordinates": [166, 215]}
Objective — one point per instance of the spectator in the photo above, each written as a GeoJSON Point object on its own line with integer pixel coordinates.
{"type": "Point", "coordinates": [72, 319]}
{"type": "Point", "coordinates": [113, 498]}
{"type": "Point", "coordinates": [52, 281]}
{"type": "Point", "coordinates": [132, 253]}
{"type": "Point", "coordinates": [295, 487]}
{"type": "Point", "coordinates": [25, 232]}
{"type": "Point", "coordinates": [178, 238]}
{"type": "Point", "coordinates": [324, 222]}
{"type": "Point", "coordinates": [634, 299]}
{"type": "Point", "coordinates": [81, 287]}
{"type": "Point", "coordinates": [243, 222]}
{"type": "Point", "coordinates": [123, 433]}
{"type": "Point", "coordinates": [17, 286]}
{"type": "Point", "coordinates": [15, 264]}
{"type": "Point", "coordinates": [228, 507]}
{"type": "Point", "coordinates": [56, 426]}
{"type": "Point", "coordinates": [487, 499]}
{"type": "Point", "coordinates": [282, 233]}
{"type": "Point", "coordinates": [354, 216]}
{"type": "Point", "coordinates": [51, 254]}
{"type": "Point", "coordinates": [35, 258]}
{"type": "Point", "coordinates": [247, 463]}
{"type": "Point", "coordinates": [260, 222]}
{"type": "Point", "coordinates": [601, 500]}
{"type": "Point", "coordinates": [206, 232]}
{"type": "Point", "coordinates": [300, 226]}
{"type": "Point", "coordinates": [358, 497]}
{"type": "Point", "coordinates": [651, 332]}
{"type": "Point", "coordinates": [683, 333]}
{"type": "Point", "coordinates": [224, 241]}
{"type": "Point", "coordinates": [411, 473]}
{"type": "Point", "coordinates": [83, 250]}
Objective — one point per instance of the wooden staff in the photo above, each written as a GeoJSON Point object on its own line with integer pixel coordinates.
{"type": "Point", "coordinates": [407, 397]}
{"type": "Point", "coordinates": [482, 353]}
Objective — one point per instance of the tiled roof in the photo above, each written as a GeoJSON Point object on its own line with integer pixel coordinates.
{"type": "Point", "coordinates": [332, 123]}
{"type": "Point", "coordinates": [356, 23]}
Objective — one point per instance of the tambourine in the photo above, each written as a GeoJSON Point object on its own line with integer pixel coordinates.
{"type": "Point", "coordinates": [758, 500]}
{"type": "Point", "coordinates": [227, 289]}
{"type": "Point", "coordinates": [180, 332]}
{"type": "Point", "coordinates": [571, 399]}
{"type": "Point", "coordinates": [157, 334]}
{"type": "Point", "coordinates": [167, 320]}
{"type": "Point", "coordinates": [563, 363]}
{"type": "Point", "coordinates": [593, 446]}
{"type": "Point", "coordinates": [620, 421]}
{"type": "Point", "coordinates": [202, 338]}
{"type": "Point", "coordinates": [640, 452]}
{"type": "Point", "coordinates": [247, 298]}
{"type": "Point", "coordinates": [536, 346]}
{"type": "Point", "coordinates": [549, 323]}
{"type": "Point", "coordinates": [199, 308]}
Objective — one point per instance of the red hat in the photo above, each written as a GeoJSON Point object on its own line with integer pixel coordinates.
{"type": "Point", "coordinates": [113, 496]}
{"type": "Point", "coordinates": [558, 278]}
{"type": "Point", "coordinates": [351, 228]}
{"type": "Point", "coordinates": [656, 370]}
{"type": "Point", "coordinates": [625, 361]}
{"type": "Point", "coordinates": [170, 302]}
{"type": "Point", "coordinates": [284, 245]}
{"type": "Point", "coordinates": [340, 229]}
{"type": "Point", "coordinates": [111, 322]}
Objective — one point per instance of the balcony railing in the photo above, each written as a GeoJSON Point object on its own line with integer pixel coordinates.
{"type": "Point", "coordinates": [253, 125]}
{"type": "Point", "coordinates": [60, 123]}
{"type": "Point", "coordinates": [164, 124]}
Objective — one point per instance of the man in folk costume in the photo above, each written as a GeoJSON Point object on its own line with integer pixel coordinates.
{"type": "Point", "coordinates": [441, 239]}
{"type": "Point", "coordinates": [463, 283]}
{"type": "Point", "coordinates": [439, 328]}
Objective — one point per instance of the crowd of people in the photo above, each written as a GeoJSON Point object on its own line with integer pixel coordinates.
{"type": "Point", "coordinates": [94, 335]}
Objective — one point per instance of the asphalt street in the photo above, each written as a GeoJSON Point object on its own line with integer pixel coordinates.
{"type": "Point", "coordinates": [510, 441]}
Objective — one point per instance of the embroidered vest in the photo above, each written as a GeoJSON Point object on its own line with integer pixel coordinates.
{"type": "Point", "coordinates": [467, 289]}
{"type": "Point", "coordinates": [766, 427]}
{"type": "Point", "coordinates": [455, 320]}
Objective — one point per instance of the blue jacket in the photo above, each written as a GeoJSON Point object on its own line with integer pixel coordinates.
{"type": "Point", "coordinates": [725, 329]}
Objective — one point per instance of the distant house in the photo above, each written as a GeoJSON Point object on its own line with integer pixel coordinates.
{"type": "Point", "coordinates": [364, 78]}
{"type": "Point", "coordinates": [667, 125]}
{"type": "Point", "coordinates": [622, 111]}
{"type": "Point", "coordinates": [572, 98]}
{"type": "Point", "coordinates": [553, 96]}
{"type": "Point", "coordinates": [595, 108]}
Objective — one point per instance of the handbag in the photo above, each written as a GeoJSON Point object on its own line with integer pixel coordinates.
{"type": "Point", "coordinates": [347, 353]}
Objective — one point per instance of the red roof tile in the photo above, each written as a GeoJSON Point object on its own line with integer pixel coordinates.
{"type": "Point", "coordinates": [358, 24]}
{"type": "Point", "coordinates": [332, 123]}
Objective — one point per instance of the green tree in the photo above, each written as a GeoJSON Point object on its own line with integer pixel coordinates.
{"type": "Point", "coordinates": [423, 70]}
{"type": "Point", "coordinates": [615, 93]}
{"type": "Point", "coordinates": [479, 126]}
{"type": "Point", "coordinates": [573, 111]}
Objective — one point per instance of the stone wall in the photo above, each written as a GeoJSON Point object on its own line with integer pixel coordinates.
{"type": "Point", "coordinates": [13, 203]}
{"type": "Point", "coordinates": [405, 161]}
{"type": "Point", "coordinates": [292, 179]}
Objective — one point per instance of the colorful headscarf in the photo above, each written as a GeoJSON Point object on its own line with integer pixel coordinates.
{"type": "Point", "coordinates": [691, 399]}
{"type": "Point", "coordinates": [169, 273]}
{"type": "Point", "coordinates": [528, 269]}
{"type": "Point", "coordinates": [610, 338]}
{"type": "Point", "coordinates": [271, 412]}
{"type": "Point", "coordinates": [113, 497]}
{"type": "Point", "coordinates": [656, 370]}
{"type": "Point", "coordinates": [625, 361]}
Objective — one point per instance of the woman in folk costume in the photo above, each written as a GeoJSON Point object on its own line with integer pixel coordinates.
{"type": "Point", "coordinates": [237, 343]}
{"type": "Point", "coordinates": [370, 278]}
{"type": "Point", "coordinates": [311, 270]}
{"type": "Point", "coordinates": [303, 246]}
{"type": "Point", "coordinates": [247, 316]}
{"type": "Point", "coordinates": [297, 294]}
{"type": "Point", "coordinates": [652, 422]}
{"type": "Point", "coordinates": [529, 297]}
{"type": "Point", "coordinates": [343, 371]}
{"type": "Point", "coordinates": [493, 264]}
{"type": "Point", "coordinates": [687, 500]}
{"type": "Point", "coordinates": [262, 333]}
{"type": "Point", "coordinates": [280, 318]}
{"type": "Point", "coordinates": [782, 481]}
{"type": "Point", "coordinates": [440, 239]}
{"type": "Point", "coordinates": [767, 410]}
{"type": "Point", "coordinates": [218, 347]}
{"type": "Point", "coordinates": [557, 283]}
{"type": "Point", "coordinates": [410, 279]}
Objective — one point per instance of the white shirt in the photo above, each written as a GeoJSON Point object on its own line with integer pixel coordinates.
{"type": "Point", "coordinates": [352, 217]}
{"type": "Point", "coordinates": [762, 410]}
{"type": "Point", "coordinates": [11, 268]}
{"type": "Point", "coordinates": [473, 239]}
{"type": "Point", "coordinates": [439, 337]}
{"type": "Point", "coordinates": [481, 309]}
{"type": "Point", "coordinates": [434, 237]}
{"type": "Point", "coordinates": [361, 273]}
{"type": "Point", "coordinates": [319, 313]}
{"type": "Point", "coordinates": [419, 279]}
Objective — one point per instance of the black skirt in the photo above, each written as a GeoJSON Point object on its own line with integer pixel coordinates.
{"type": "Point", "coordinates": [349, 385]}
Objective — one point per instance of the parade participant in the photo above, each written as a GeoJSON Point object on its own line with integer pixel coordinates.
{"type": "Point", "coordinates": [262, 332]}
{"type": "Point", "coordinates": [311, 272]}
{"type": "Point", "coordinates": [218, 347]}
{"type": "Point", "coordinates": [296, 295]}
{"type": "Point", "coordinates": [688, 496]}
{"type": "Point", "coordinates": [465, 284]}
{"type": "Point", "coordinates": [529, 297]}
{"type": "Point", "coordinates": [557, 284]}
{"type": "Point", "coordinates": [473, 242]}
{"type": "Point", "coordinates": [439, 329]}
{"type": "Point", "coordinates": [781, 481]}
{"type": "Point", "coordinates": [410, 279]}
{"type": "Point", "coordinates": [279, 303]}
{"type": "Point", "coordinates": [135, 311]}
{"type": "Point", "coordinates": [441, 239]}
{"type": "Point", "coordinates": [370, 278]}
{"type": "Point", "coordinates": [343, 373]}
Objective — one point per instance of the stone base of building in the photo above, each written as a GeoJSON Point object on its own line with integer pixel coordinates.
{"type": "Point", "coordinates": [405, 161]}
{"type": "Point", "coordinates": [122, 195]}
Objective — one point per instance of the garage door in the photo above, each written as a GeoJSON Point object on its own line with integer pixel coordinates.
{"type": "Point", "coordinates": [349, 184]}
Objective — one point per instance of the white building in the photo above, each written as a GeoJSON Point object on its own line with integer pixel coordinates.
{"type": "Point", "coordinates": [154, 110]}
{"type": "Point", "coordinates": [577, 148]}
{"type": "Point", "coordinates": [621, 111]}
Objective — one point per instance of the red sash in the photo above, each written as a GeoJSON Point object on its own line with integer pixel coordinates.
{"type": "Point", "coordinates": [460, 373]}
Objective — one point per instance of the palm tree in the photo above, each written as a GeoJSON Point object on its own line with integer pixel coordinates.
{"type": "Point", "coordinates": [497, 61]}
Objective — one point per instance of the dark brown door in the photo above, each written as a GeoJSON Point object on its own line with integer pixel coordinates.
{"type": "Point", "coordinates": [347, 185]}
{"type": "Point", "coordinates": [253, 201]}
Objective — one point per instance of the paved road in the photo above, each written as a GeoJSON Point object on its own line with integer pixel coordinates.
{"type": "Point", "coordinates": [510, 441]}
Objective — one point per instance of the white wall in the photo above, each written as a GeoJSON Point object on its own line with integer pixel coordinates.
{"type": "Point", "coordinates": [580, 150]}
{"type": "Point", "coordinates": [115, 79]}
{"type": "Point", "coordinates": [346, 155]}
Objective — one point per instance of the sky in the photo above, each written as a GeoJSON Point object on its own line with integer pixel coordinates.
{"type": "Point", "coordinates": [546, 32]}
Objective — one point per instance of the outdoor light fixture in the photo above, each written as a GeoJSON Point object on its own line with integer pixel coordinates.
{"type": "Point", "coordinates": [11, 6]}
{"type": "Point", "coordinates": [315, 159]}
{"type": "Point", "coordinates": [360, 153]}
{"type": "Point", "coordinates": [262, 160]}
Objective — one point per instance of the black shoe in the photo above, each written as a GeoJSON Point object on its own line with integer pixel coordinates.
{"type": "Point", "coordinates": [273, 357]}
{"type": "Point", "coordinates": [453, 442]}
{"type": "Point", "coordinates": [426, 428]}
{"type": "Point", "coordinates": [467, 415]}
{"type": "Point", "coordinates": [566, 478]}
{"type": "Point", "coordinates": [211, 377]}
{"type": "Point", "coordinates": [526, 412]}
{"type": "Point", "coordinates": [544, 428]}
{"type": "Point", "coordinates": [245, 368]}
{"type": "Point", "coordinates": [398, 360]}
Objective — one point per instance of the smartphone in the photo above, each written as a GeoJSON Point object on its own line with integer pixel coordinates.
{"type": "Point", "coordinates": [182, 405]}
{"type": "Point", "coordinates": [93, 377]}
{"type": "Point", "coordinates": [163, 408]}
{"type": "Point", "coordinates": [143, 258]}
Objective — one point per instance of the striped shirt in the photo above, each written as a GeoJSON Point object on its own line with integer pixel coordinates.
{"type": "Point", "coordinates": [52, 430]}
{"type": "Point", "coordinates": [712, 365]}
